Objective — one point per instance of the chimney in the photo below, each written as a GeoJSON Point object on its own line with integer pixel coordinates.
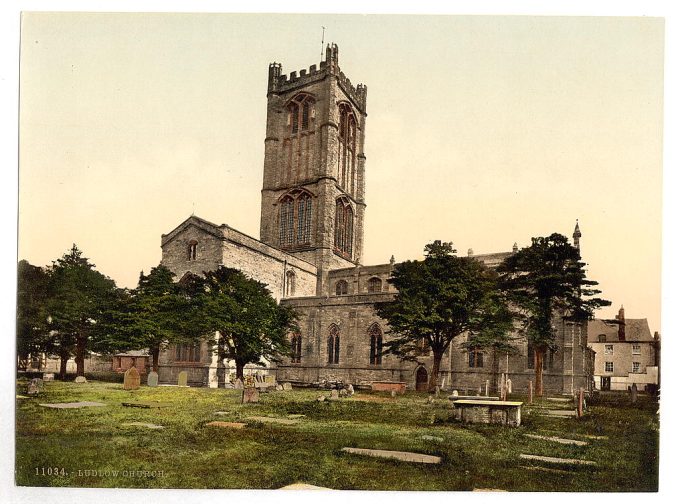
{"type": "Point", "coordinates": [622, 324]}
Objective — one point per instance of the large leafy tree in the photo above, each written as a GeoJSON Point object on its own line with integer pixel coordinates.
{"type": "Point", "coordinates": [545, 281]}
{"type": "Point", "coordinates": [32, 332]}
{"type": "Point", "coordinates": [251, 326]}
{"type": "Point", "coordinates": [78, 296]}
{"type": "Point", "coordinates": [148, 317]}
{"type": "Point", "coordinates": [439, 298]}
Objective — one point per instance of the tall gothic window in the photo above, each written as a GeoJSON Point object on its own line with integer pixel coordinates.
{"type": "Point", "coordinates": [341, 288]}
{"type": "Point", "coordinates": [475, 358]}
{"type": "Point", "coordinates": [374, 285]}
{"type": "Point", "coordinates": [344, 227]}
{"type": "Point", "coordinates": [347, 148]}
{"type": "Point", "coordinates": [191, 251]}
{"type": "Point", "coordinates": [334, 345]}
{"type": "Point", "coordinates": [295, 219]}
{"type": "Point", "coordinates": [290, 283]}
{"type": "Point", "coordinates": [375, 334]}
{"type": "Point", "coordinates": [188, 353]}
{"type": "Point", "coordinates": [296, 348]}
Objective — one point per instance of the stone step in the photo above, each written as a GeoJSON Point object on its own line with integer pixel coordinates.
{"type": "Point", "coordinates": [397, 455]}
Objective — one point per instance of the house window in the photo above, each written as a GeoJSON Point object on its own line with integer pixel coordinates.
{"type": "Point", "coordinates": [347, 148]}
{"type": "Point", "coordinates": [296, 348]}
{"type": "Point", "coordinates": [375, 334]}
{"type": "Point", "coordinates": [191, 252]}
{"type": "Point", "coordinates": [290, 283]}
{"type": "Point", "coordinates": [608, 367]}
{"type": "Point", "coordinates": [636, 349]}
{"type": "Point", "coordinates": [374, 284]}
{"type": "Point", "coordinates": [341, 288]}
{"type": "Point", "coordinates": [188, 353]}
{"type": "Point", "coordinates": [344, 227]}
{"type": "Point", "coordinates": [636, 367]}
{"type": "Point", "coordinates": [609, 349]}
{"type": "Point", "coordinates": [601, 338]}
{"type": "Point", "coordinates": [295, 220]}
{"type": "Point", "coordinates": [475, 358]}
{"type": "Point", "coordinates": [334, 345]}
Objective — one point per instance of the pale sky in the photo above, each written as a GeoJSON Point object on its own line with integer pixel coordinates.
{"type": "Point", "coordinates": [483, 131]}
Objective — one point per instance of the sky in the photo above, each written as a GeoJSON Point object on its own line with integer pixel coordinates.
{"type": "Point", "coordinates": [481, 130]}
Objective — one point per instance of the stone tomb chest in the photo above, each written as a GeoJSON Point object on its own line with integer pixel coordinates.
{"type": "Point", "coordinates": [489, 412]}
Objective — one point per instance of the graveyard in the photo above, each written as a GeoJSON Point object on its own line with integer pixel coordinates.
{"type": "Point", "coordinates": [100, 434]}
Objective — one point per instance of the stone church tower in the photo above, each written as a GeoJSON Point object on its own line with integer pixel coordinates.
{"type": "Point", "coordinates": [313, 186]}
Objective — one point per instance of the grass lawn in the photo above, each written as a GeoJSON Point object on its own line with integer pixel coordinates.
{"type": "Point", "coordinates": [87, 446]}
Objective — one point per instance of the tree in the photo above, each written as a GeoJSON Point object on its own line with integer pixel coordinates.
{"type": "Point", "coordinates": [546, 281]}
{"type": "Point", "coordinates": [148, 317]}
{"type": "Point", "coordinates": [78, 295]}
{"type": "Point", "coordinates": [251, 326]}
{"type": "Point", "coordinates": [31, 316]}
{"type": "Point", "coordinates": [438, 299]}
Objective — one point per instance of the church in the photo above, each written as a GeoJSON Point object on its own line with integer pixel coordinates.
{"type": "Point", "coordinates": [310, 256]}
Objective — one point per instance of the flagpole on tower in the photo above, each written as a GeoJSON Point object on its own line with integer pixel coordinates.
{"type": "Point", "coordinates": [323, 33]}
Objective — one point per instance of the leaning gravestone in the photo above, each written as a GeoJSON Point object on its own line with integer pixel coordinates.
{"type": "Point", "coordinates": [80, 379]}
{"type": "Point", "coordinates": [152, 379]}
{"type": "Point", "coordinates": [34, 387]}
{"type": "Point", "coordinates": [131, 379]}
{"type": "Point", "coordinates": [182, 379]}
{"type": "Point", "coordinates": [334, 395]}
{"type": "Point", "coordinates": [633, 393]}
{"type": "Point", "coordinates": [238, 384]}
{"type": "Point", "coordinates": [350, 389]}
{"type": "Point", "coordinates": [287, 386]}
{"type": "Point", "coordinates": [250, 395]}
{"type": "Point", "coordinates": [48, 377]}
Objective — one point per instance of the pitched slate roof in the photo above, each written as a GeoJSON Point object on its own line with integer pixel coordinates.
{"type": "Point", "coordinates": [636, 330]}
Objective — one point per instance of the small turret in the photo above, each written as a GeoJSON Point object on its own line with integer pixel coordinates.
{"type": "Point", "coordinates": [577, 237]}
{"type": "Point", "coordinates": [515, 248]}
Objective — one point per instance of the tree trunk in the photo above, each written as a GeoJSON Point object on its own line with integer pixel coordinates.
{"type": "Point", "coordinates": [155, 353]}
{"type": "Point", "coordinates": [434, 376]}
{"type": "Point", "coordinates": [81, 341]}
{"type": "Point", "coordinates": [63, 360]}
{"type": "Point", "coordinates": [239, 369]}
{"type": "Point", "coordinates": [495, 365]}
{"type": "Point", "coordinates": [538, 368]}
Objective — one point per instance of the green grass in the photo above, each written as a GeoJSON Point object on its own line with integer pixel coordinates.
{"type": "Point", "coordinates": [191, 455]}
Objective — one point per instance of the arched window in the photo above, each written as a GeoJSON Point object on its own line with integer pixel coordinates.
{"type": "Point", "coordinates": [340, 288]}
{"type": "Point", "coordinates": [475, 358]}
{"type": "Point", "coordinates": [334, 345]}
{"type": "Point", "coordinates": [344, 227]}
{"type": "Point", "coordinates": [347, 148]}
{"type": "Point", "coordinates": [188, 353]}
{"type": "Point", "coordinates": [191, 250]}
{"type": "Point", "coordinates": [375, 335]}
{"type": "Point", "coordinates": [296, 348]}
{"type": "Point", "coordinates": [295, 219]}
{"type": "Point", "coordinates": [300, 113]}
{"type": "Point", "coordinates": [374, 284]}
{"type": "Point", "coordinates": [290, 283]}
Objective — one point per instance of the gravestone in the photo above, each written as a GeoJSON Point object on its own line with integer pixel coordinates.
{"type": "Point", "coordinates": [633, 393]}
{"type": "Point", "coordinates": [509, 386]}
{"type": "Point", "coordinates": [479, 391]}
{"type": "Point", "coordinates": [182, 379]}
{"type": "Point", "coordinates": [579, 406]}
{"type": "Point", "coordinates": [131, 379]}
{"type": "Point", "coordinates": [238, 384]}
{"type": "Point", "coordinates": [34, 387]}
{"type": "Point", "coordinates": [80, 379]}
{"type": "Point", "coordinates": [393, 393]}
{"type": "Point", "coordinates": [250, 395]}
{"type": "Point", "coordinates": [430, 399]}
{"type": "Point", "coordinates": [279, 387]}
{"type": "Point", "coordinates": [48, 377]}
{"type": "Point", "coordinates": [350, 389]}
{"type": "Point", "coordinates": [321, 398]}
{"type": "Point", "coordinates": [152, 379]}
{"type": "Point", "coordinates": [531, 392]}
{"type": "Point", "coordinates": [270, 380]}
{"type": "Point", "coordinates": [287, 386]}
{"type": "Point", "coordinates": [486, 388]}
{"type": "Point", "coordinates": [344, 393]}
{"type": "Point", "coordinates": [334, 395]}
{"type": "Point", "coordinates": [436, 391]}
{"type": "Point", "coordinates": [453, 394]}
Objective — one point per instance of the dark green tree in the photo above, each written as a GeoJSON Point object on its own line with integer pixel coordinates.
{"type": "Point", "coordinates": [250, 325]}
{"type": "Point", "coordinates": [78, 295]}
{"type": "Point", "coordinates": [438, 299]}
{"type": "Point", "coordinates": [151, 316]}
{"type": "Point", "coordinates": [544, 282]}
{"type": "Point", "coordinates": [32, 333]}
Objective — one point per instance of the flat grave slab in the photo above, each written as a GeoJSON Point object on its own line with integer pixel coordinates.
{"type": "Point", "coordinates": [560, 399]}
{"type": "Point", "coordinates": [432, 438]}
{"type": "Point", "coordinates": [546, 469]}
{"type": "Point", "coordinates": [75, 405]}
{"type": "Point", "coordinates": [19, 396]}
{"type": "Point", "coordinates": [473, 398]}
{"type": "Point", "coordinates": [558, 440]}
{"type": "Point", "coordinates": [282, 421]}
{"type": "Point", "coordinates": [556, 460]}
{"type": "Point", "coordinates": [296, 416]}
{"type": "Point", "coordinates": [303, 486]}
{"type": "Point", "coordinates": [558, 413]}
{"type": "Point", "coordinates": [144, 424]}
{"type": "Point", "coordinates": [227, 425]}
{"type": "Point", "coordinates": [147, 405]}
{"type": "Point", "coordinates": [398, 455]}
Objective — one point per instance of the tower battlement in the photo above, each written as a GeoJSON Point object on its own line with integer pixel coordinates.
{"type": "Point", "coordinates": [279, 82]}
